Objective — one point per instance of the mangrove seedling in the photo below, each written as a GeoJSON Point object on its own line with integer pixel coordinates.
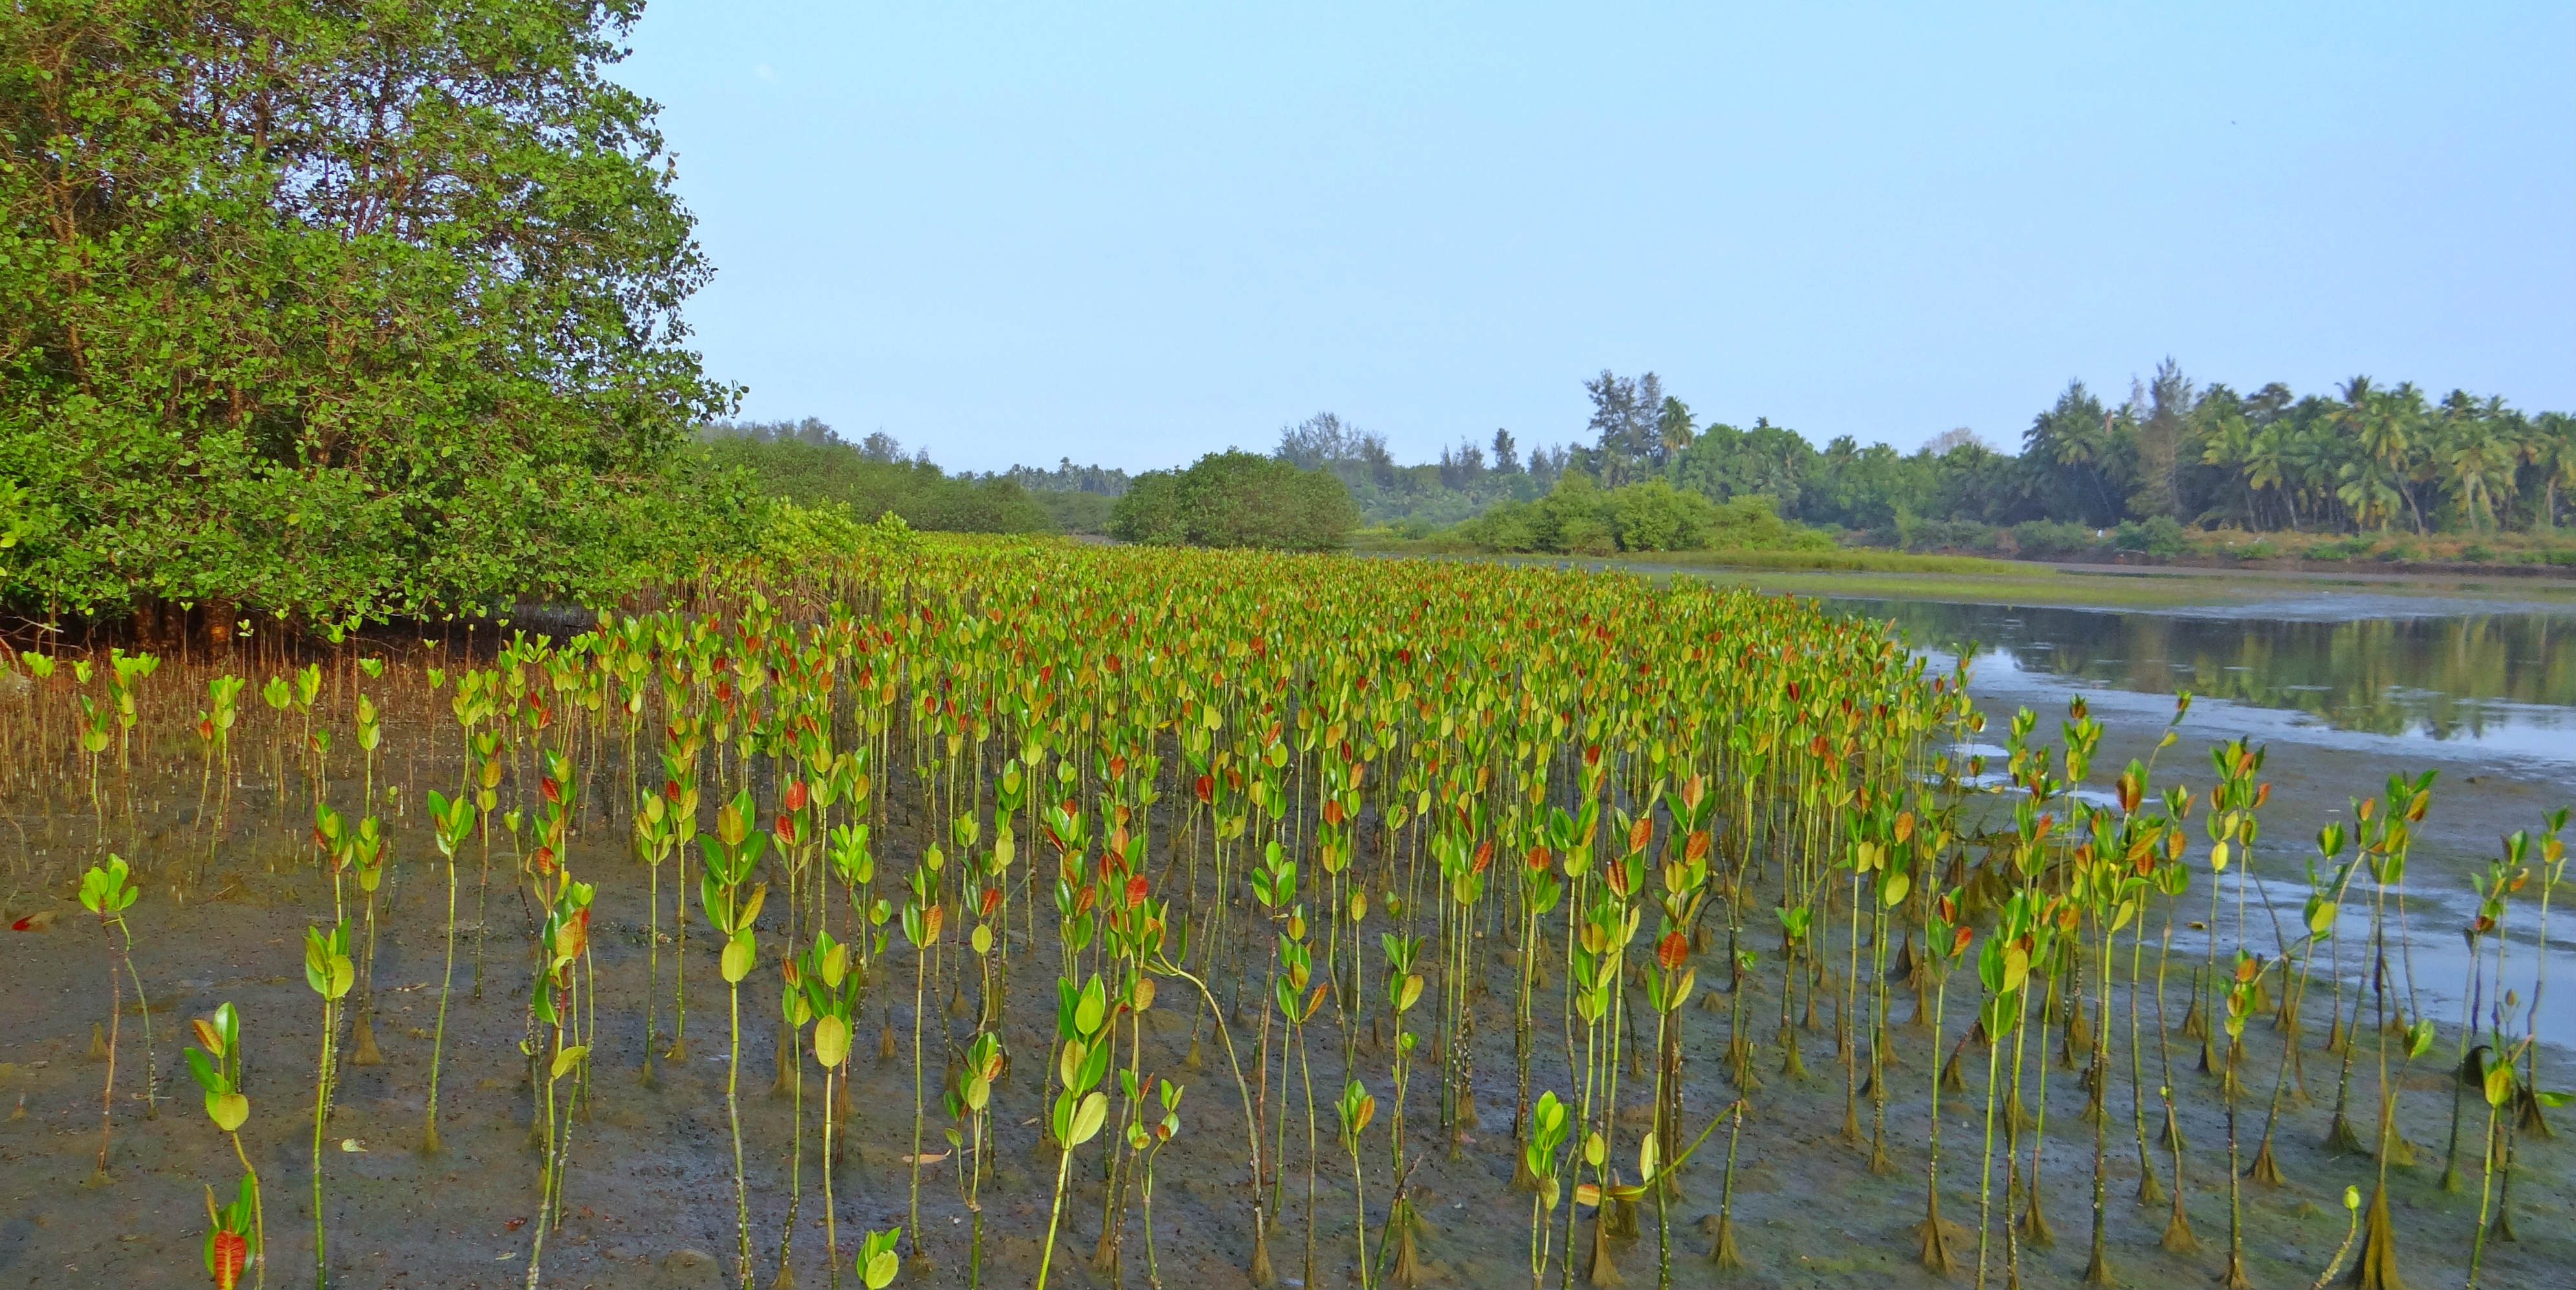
{"type": "Point", "coordinates": [329, 972]}
{"type": "Point", "coordinates": [216, 1066]}
{"type": "Point", "coordinates": [231, 1235]}
{"type": "Point", "coordinates": [108, 890]}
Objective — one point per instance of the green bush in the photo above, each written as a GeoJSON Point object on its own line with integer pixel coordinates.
{"type": "Point", "coordinates": [341, 311]}
{"type": "Point", "coordinates": [1075, 512]}
{"type": "Point", "coordinates": [821, 469]}
{"type": "Point", "coordinates": [2047, 539]}
{"type": "Point", "coordinates": [796, 534]}
{"type": "Point", "coordinates": [1943, 535]}
{"type": "Point", "coordinates": [2157, 535]}
{"type": "Point", "coordinates": [1236, 499]}
{"type": "Point", "coordinates": [1577, 517]}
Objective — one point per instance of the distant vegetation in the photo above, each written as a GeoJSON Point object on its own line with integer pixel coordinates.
{"type": "Point", "coordinates": [1236, 499]}
{"type": "Point", "coordinates": [1580, 517]}
{"type": "Point", "coordinates": [809, 463]}
{"type": "Point", "coordinates": [2369, 471]}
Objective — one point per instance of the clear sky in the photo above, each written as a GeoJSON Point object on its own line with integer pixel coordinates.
{"type": "Point", "coordinates": [1131, 233]}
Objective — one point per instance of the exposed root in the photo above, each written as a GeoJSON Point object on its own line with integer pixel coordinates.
{"type": "Point", "coordinates": [2234, 1278]}
{"type": "Point", "coordinates": [2376, 1269]}
{"type": "Point", "coordinates": [2266, 1170]}
{"type": "Point", "coordinates": [2034, 1227]}
{"type": "Point", "coordinates": [783, 1081]}
{"type": "Point", "coordinates": [2178, 1238]}
{"type": "Point", "coordinates": [1407, 1271]}
{"type": "Point", "coordinates": [1935, 1237]}
{"type": "Point", "coordinates": [1603, 1268]}
{"type": "Point", "coordinates": [2532, 1123]}
{"type": "Point", "coordinates": [1721, 1247]}
{"type": "Point", "coordinates": [366, 1053]}
{"type": "Point", "coordinates": [2097, 1270]}
{"type": "Point", "coordinates": [1260, 1273]}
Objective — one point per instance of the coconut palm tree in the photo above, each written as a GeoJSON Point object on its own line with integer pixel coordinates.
{"type": "Point", "coordinates": [2478, 458]}
{"type": "Point", "coordinates": [2553, 452]}
{"type": "Point", "coordinates": [2367, 489]}
{"type": "Point", "coordinates": [2268, 464]}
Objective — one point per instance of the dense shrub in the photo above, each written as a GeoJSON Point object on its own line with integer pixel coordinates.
{"type": "Point", "coordinates": [1076, 512]}
{"type": "Point", "coordinates": [2157, 535]}
{"type": "Point", "coordinates": [1578, 517]}
{"type": "Point", "coordinates": [823, 470]}
{"type": "Point", "coordinates": [1916, 534]}
{"type": "Point", "coordinates": [1236, 499]}
{"type": "Point", "coordinates": [2048, 539]}
{"type": "Point", "coordinates": [797, 534]}
{"type": "Point", "coordinates": [335, 310]}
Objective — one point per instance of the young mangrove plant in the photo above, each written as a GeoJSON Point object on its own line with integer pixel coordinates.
{"type": "Point", "coordinates": [1541, 1157]}
{"type": "Point", "coordinates": [232, 1234]}
{"type": "Point", "coordinates": [731, 855]}
{"type": "Point", "coordinates": [1158, 1133]}
{"type": "Point", "coordinates": [107, 891]}
{"type": "Point", "coordinates": [451, 823]}
{"type": "Point", "coordinates": [1081, 1059]}
{"type": "Point", "coordinates": [1356, 1110]}
{"type": "Point", "coordinates": [329, 971]}
{"type": "Point", "coordinates": [215, 1063]}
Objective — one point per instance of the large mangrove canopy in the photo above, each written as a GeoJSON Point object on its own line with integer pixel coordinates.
{"type": "Point", "coordinates": [337, 308]}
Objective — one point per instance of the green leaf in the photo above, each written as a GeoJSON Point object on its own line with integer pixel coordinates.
{"type": "Point", "coordinates": [1088, 1118]}
{"type": "Point", "coordinates": [227, 1110]}
{"type": "Point", "coordinates": [878, 1269]}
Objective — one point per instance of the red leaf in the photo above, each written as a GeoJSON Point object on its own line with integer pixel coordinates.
{"type": "Point", "coordinates": [231, 1255]}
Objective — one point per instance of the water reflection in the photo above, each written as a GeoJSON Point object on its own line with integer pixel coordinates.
{"type": "Point", "coordinates": [2505, 678]}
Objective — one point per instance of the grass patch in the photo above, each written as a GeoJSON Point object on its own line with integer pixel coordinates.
{"type": "Point", "coordinates": [2019, 587]}
{"type": "Point", "coordinates": [1847, 560]}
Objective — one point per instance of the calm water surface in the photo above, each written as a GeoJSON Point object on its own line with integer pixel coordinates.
{"type": "Point", "coordinates": [2504, 683]}
{"type": "Point", "coordinates": [2370, 684]}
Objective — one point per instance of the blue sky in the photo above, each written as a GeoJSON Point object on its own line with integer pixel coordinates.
{"type": "Point", "coordinates": [1131, 233]}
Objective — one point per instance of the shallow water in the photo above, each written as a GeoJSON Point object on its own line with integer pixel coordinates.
{"type": "Point", "coordinates": [2431, 682]}
{"type": "Point", "coordinates": [2343, 691]}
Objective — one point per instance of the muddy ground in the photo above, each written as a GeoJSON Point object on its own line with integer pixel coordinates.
{"type": "Point", "coordinates": [650, 1192]}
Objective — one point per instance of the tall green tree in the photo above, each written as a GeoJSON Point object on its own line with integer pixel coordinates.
{"type": "Point", "coordinates": [333, 309]}
{"type": "Point", "coordinates": [1237, 499]}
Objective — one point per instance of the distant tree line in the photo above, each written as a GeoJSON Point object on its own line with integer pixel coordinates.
{"type": "Point", "coordinates": [2365, 458]}
{"type": "Point", "coordinates": [809, 463]}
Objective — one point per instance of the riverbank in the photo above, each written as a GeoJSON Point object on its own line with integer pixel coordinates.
{"type": "Point", "coordinates": [1888, 575]}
